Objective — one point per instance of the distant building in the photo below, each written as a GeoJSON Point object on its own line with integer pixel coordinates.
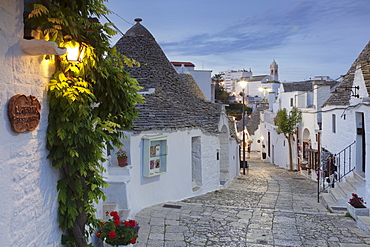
{"type": "Point", "coordinates": [202, 77]}
{"type": "Point", "coordinates": [255, 83]}
{"type": "Point", "coordinates": [308, 96]}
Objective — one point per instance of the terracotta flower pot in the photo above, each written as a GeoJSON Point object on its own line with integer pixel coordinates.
{"type": "Point", "coordinates": [122, 162]}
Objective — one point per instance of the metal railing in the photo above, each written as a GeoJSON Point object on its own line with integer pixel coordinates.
{"type": "Point", "coordinates": [343, 162]}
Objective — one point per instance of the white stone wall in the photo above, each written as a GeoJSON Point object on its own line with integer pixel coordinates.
{"type": "Point", "coordinates": [176, 183]}
{"type": "Point", "coordinates": [204, 81]}
{"type": "Point", "coordinates": [28, 195]}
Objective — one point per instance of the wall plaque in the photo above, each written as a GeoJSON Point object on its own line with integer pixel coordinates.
{"type": "Point", "coordinates": [24, 113]}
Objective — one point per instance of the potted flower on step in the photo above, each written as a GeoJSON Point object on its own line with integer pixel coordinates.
{"type": "Point", "coordinates": [356, 206]}
{"type": "Point", "coordinates": [116, 232]}
{"type": "Point", "coordinates": [122, 158]}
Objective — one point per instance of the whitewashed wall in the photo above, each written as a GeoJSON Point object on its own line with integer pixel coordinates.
{"type": "Point", "coordinates": [204, 81]}
{"type": "Point", "coordinates": [28, 195]}
{"type": "Point", "coordinates": [346, 129]}
{"type": "Point", "coordinates": [174, 185]}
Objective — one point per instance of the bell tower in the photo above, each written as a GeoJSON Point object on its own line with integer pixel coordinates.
{"type": "Point", "coordinates": [274, 71]}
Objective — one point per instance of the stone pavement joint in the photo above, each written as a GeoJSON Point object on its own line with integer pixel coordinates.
{"type": "Point", "coordinates": [268, 206]}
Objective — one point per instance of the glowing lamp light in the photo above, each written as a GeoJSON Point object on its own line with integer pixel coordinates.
{"type": "Point", "coordinates": [263, 89]}
{"type": "Point", "coordinates": [75, 53]}
{"type": "Point", "coordinates": [243, 84]}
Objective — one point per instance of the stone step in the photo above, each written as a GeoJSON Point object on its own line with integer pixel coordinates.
{"type": "Point", "coordinates": [123, 213]}
{"type": "Point", "coordinates": [338, 198]}
{"type": "Point", "coordinates": [364, 223]}
{"type": "Point", "coordinates": [359, 176]}
{"type": "Point", "coordinates": [329, 202]}
{"type": "Point", "coordinates": [355, 184]}
{"type": "Point", "coordinates": [108, 207]}
{"type": "Point", "coordinates": [345, 190]}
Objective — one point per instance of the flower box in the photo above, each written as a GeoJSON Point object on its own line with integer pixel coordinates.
{"type": "Point", "coordinates": [354, 212]}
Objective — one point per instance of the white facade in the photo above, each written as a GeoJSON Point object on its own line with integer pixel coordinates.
{"type": "Point", "coordinates": [255, 83]}
{"type": "Point", "coordinates": [191, 170]}
{"type": "Point", "coordinates": [202, 77]}
{"type": "Point", "coordinates": [28, 196]}
{"type": "Point", "coordinates": [341, 128]}
{"type": "Point", "coordinates": [310, 104]}
{"type": "Point", "coordinates": [204, 80]}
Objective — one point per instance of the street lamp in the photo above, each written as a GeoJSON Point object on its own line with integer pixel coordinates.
{"type": "Point", "coordinates": [75, 51]}
{"type": "Point", "coordinates": [243, 85]}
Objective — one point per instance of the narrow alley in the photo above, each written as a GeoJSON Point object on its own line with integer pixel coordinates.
{"type": "Point", "coordinates": [268, 206]}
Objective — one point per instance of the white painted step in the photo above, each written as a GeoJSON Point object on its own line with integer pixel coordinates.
{"type": "Point", "coordinates": [345, 190]}
{"type": "Point", "coordinates": [338, 197]}
{"type": "Point", "coordinates": [364, 223]}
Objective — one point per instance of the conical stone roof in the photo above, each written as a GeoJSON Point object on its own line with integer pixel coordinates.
{"type": "Point", "coordinates": [344, 98]}
{"type": "Point", "coordinates": [173, 105]}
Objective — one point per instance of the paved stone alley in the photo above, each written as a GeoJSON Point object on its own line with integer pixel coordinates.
{"type": "Point", "coordinates": [268, 206]}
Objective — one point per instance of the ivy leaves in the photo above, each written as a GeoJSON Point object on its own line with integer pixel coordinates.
{"type": "Point", "coordinates": [90, 104]}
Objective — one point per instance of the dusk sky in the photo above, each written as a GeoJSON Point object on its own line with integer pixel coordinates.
{"type": "Point", "coordinates": [306, 38]}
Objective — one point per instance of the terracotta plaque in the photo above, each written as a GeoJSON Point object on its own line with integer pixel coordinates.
{"type": "Point", "coordinates": [24, 113]}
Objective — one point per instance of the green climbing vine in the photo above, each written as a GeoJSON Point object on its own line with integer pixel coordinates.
{"type": "Point", "coordinates": [90, 103]}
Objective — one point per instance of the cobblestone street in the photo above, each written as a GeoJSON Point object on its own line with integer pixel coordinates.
{"type": "Point", "coordinates": [268, 206]}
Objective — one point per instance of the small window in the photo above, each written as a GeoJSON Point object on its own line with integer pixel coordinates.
{"type": "Point", "coordinates": [333, 123]}
{"type": "Point", "coordinates": [154, 156]}
{"type": "Point", "coordinates": [291, 102]}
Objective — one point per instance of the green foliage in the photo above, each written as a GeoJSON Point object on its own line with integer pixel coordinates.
{"type": "Point", "coordinates": [90, 103]}
{"type": "Point", "coordinates": [221, 94]}
{"type": "Point", "coordinates": [236, 109]}
{"type": "Point", "coordinates": [287, 122]}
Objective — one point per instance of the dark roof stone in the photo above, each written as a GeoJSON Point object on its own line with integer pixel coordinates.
{"type": "Point", "coordinates": [173, 105]}
{"type": "Point", "coordinates": [343, 98]}
{"type": "Point", "coordinates": [297, 86]}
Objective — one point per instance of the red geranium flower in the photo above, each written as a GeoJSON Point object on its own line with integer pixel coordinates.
{"type": "Point", "coordinates": [117, 222]}
{"type": "Point", "coordinates": [133, 240]}
{"type": "Point", "coordinates": [113, 213]}
{"type": "Point", "coordinates": [112, 234]}
{"type": "Point", "coordinates": [98, 234]}
{"type": "Point", "coordinates": [130, 223]}
{"type": "Point", "coordinates": [102, 223]}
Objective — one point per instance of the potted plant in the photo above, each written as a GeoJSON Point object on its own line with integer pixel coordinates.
{"type": "Point", "coordinates": [356, 206]}
{"type": "Point", "coordinates": [116, 232]}
{"type": "Point", "coordinates": [122, 158]}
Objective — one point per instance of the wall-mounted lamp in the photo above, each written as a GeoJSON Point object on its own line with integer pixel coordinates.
{"type": "Point", "coordinates": [353, 90]}
{"type": "Point", "coordinates": [75, 52]}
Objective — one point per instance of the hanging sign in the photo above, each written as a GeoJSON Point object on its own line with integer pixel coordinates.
{"type": "Point", "coordinates": [24, 113]}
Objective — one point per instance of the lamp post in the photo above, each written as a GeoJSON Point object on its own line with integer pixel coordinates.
{"type": "Point", "coordinates": [243, 84]}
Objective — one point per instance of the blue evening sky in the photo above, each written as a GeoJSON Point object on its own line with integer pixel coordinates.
{"type": "Point", "coordinates": [305, 37]}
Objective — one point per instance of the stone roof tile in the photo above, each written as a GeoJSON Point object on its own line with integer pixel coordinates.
{"type": "Point", "coordinates": [304, 86]}
{"type": "Point", "coordinates": [344, 97]}
{"type": "Point", "coordinates": [173, 105]}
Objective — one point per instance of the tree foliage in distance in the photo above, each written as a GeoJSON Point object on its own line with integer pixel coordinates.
{"type": "Point", "coordinates": [236, 110]}
{"type": "Point", "coordinates": [90, 103]}
{"type": "Point", "coordinates": [286, 124]}
{"type": "Point", "coordinates": [220, 92]}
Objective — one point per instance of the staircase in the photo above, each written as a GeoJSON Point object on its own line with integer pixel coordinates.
{"type": "Point", "coordinates": [337, 198]}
